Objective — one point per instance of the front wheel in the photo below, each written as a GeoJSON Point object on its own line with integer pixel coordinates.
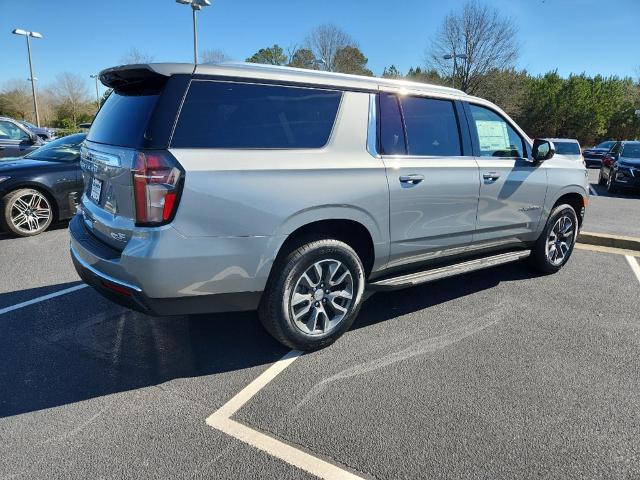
{"type": "Point", "coordinates": [314, 294]}
{"type": "Point", "coordinates": [555, 245]}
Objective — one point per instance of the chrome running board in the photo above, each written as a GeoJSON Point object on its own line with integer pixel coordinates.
{"type": "Point", "coordinates": [425, 276]}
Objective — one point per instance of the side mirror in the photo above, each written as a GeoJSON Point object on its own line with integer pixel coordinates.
{"type": "Point", "coordinates": [542, 150]}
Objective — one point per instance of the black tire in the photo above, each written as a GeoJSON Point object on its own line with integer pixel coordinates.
{"type": "Point", "coordinates": [8, 206]}
{"type": "Point", "coordinates": [539, 259]}
{"type": "Point", "coordinates": [601, 180]}
{"type": "Point", "coordinates": [276, 312]}
{"type": "Point", "coordinates": [611, 183]}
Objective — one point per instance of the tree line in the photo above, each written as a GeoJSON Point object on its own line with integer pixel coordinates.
{"type": "Point", "coordinates": [475, 49]}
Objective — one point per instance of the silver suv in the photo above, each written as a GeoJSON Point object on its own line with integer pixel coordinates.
{"type": "Point", "coordinates": [228, 187]}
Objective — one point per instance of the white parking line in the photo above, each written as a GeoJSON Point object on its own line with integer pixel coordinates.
{"type": "Point", "coordinates": [221, 420]}
{"type": "Point", "coordinates": [41, 299]}
{"type": "Point", "coordinates": [593, 191]}
{"type": "Point", "coordinates": [633, 263]}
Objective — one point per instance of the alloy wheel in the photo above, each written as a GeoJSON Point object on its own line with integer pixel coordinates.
{"type": "Point", "coordinates": [321, 297]}
{"type": "Point", "coordinates": [560, 240]}
{"type": "Point", "coordinates": [31, 212]}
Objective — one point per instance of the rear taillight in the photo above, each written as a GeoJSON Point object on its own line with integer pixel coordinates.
{"type": "Point", "coordinates": [607, 160]}
{"type": "Point", "coordinates": [156, 187]}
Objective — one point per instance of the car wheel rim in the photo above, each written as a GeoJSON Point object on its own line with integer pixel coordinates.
{"type": "Point", "coordinates": [322, 297]}
{"type": "Point", "coordinates": [30, 212]}
{"type": "Point", "coordinates": [560, 240]}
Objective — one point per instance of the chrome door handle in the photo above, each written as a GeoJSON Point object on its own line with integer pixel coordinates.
{"type": "Point", "coordinates": [412, 179]}
{"type": "Point", "coordinates": [491, 176]}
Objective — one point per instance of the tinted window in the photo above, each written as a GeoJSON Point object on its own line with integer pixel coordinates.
{"type": "Point", "coordinates": [237, 115]}
{"type": "Point", "coordinates": [631, 150]}
{"type": "Point", "coordinates": [432, 127]}
{"type": "Point", "coordinates": [392, 140]}
{"type": "Point", "coordinates": [496, 138]}
{"type": "Point", "coordinates": [10, 131]}
{"type": "Point", "coordinates": [123, 119]}
{"type": "Point", "coordinates": [607, 145]}
{"type": "Point", "coordinates": [63, 149]}
{"type": "Point", "coordinates": [567, 148]}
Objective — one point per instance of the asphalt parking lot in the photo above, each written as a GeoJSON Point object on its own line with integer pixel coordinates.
{"type": "Point", "coordinates": [499, 374]}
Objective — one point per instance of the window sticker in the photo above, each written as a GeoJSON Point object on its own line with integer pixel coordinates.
{"type": "Point", "coordinates": [493, 135]}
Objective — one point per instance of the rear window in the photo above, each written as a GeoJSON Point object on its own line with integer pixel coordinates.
{"type": "Point", "coordinates": [238, 115]}
{"type": "Point", "coordinates": [123, 119]}
{"type": "Point", "coordinates": [567, 148]}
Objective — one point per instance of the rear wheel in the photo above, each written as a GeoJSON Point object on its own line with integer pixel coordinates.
{"type": "Point", "coordinates": [555, 245]}
{"type": "Point", "coordinates": [314, 294]}
{"type": "Point", "coordinates": [26, 212]}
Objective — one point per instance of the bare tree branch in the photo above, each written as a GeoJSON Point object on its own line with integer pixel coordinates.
{"type": "Point", "coordinates": [214, 55]}
{"type": "Point", "coordinates": [136, 56]}
{"type": "Point", "coordinates": [325, 41]}
{"type": "Point", "coordinates": [486, 38]}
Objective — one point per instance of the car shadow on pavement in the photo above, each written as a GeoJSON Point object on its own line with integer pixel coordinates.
{"type": "Point", "coordinates": [80, 346]}
{"type": "Point", "coordinates": [61, 225]}
{"type": "Point", "coordinates": [601, 190]}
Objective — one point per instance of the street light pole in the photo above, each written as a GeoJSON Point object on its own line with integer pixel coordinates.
{"type": "Point", "coordinates": [94, 76]}
{"type": "Point", "coordinates": [195, 6]}
{"type": "Point", "coordinates": [19, 31]}
{"type": "Point", "coordinates": [454, 56]}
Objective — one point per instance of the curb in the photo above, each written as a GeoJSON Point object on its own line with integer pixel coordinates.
{"type": "Point", "coordinates": [607, 240]}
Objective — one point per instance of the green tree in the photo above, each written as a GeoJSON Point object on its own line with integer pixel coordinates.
{"type": "Point", "coordinates": [391, 72]}
{"type": "Point", "coordinates": [304, 58]}
{"type": "Point", "coordinates": [351, 60]}
{"type": "Point", "coordinates": [271, 56]}
{"type": "Point", "coordinates": [431, 76]}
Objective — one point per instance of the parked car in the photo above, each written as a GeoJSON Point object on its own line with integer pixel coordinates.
{"type": "Point", "coordinates": [621, 167]}
{"type": "Point", "coordinates": [41, 187]}
{"type": "Point", "coordinates": [569, 147]}
{"type": "Point", "coordinates": [593, 156]}
{"type": "Point", "coordinates": [239, 186]}
{"type": "Point", "coordinates": [16, 140]}
{"type": "Point", "coordinates": [45, 134]}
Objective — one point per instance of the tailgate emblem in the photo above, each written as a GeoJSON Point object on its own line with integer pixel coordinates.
{"type": "Point", "coordinates": [118, 237]}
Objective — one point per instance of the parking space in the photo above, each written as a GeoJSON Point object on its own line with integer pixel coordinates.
{"type": "Point", "coordinates": [612, 213]}
{"type": "Point", "coordinates": [497, 374]}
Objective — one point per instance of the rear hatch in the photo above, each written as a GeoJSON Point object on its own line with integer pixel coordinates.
{"type": "Point", "coordinates": [130, 178]}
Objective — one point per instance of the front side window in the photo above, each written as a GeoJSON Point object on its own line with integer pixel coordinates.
{"type": "Point", "coordinates": [431, 125]}
{"type": "Point", "coordinates": [496, 138]}
{"type": "Point", "coordinates": [9, 131]}
{"type": "Point", "coordinates": [239, 115]}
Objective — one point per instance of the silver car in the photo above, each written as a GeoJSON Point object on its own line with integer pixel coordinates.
{"type": "Point", "coordinates": [227, 187]}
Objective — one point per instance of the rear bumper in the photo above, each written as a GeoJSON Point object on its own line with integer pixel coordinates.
{"type": "Point", "coordinates": [127, 279]}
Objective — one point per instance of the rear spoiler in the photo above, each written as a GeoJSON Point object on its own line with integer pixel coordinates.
{"type": "Point", "coordinates": [142, 77]}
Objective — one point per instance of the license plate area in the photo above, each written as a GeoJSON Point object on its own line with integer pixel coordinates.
{"type": "Point", "coordinates": [95, 190]}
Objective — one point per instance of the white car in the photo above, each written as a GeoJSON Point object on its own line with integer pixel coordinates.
{"type": "Point", "coordinates": [569, 147]}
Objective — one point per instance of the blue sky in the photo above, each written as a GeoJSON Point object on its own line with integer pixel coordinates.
{"type": "Point", "coordinates": [84, 36]}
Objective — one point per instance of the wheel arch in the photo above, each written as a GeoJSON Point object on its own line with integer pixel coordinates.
{"type": "Point", "coordinates": [352, 232]}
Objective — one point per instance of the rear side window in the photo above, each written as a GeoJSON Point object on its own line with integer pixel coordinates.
{"type": "Point", "coordinates": [631, 150]}
{"type": "Point", "coordinates": [238, 115]}
{"type": "Point", "coordinates": [123, 119]}
{"type": "Point", "coordinates": [392, 140]}
{"type": "Point", "coordinates": [432, 127]}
